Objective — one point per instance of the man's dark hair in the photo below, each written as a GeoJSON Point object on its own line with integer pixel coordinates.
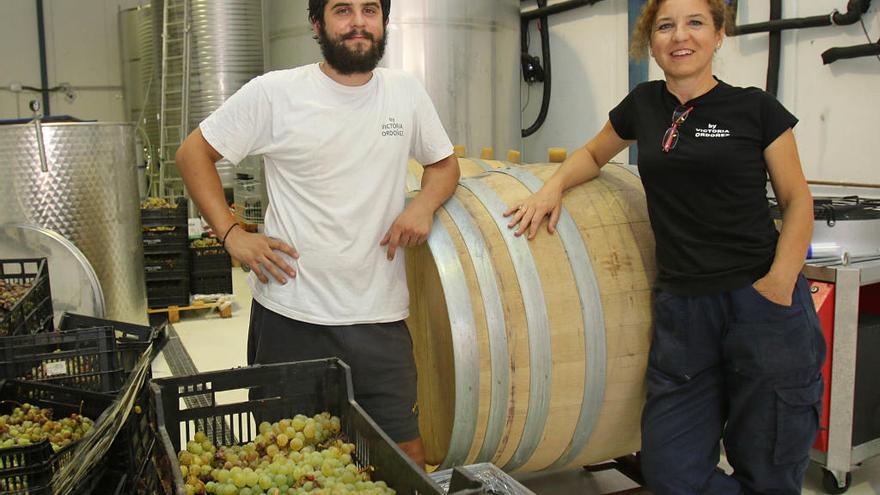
{"type": "Point", "coordinates": [316, 10]}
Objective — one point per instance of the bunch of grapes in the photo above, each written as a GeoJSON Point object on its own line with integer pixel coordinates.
{"type": "Point", "coordinates": [30, 424]}
{"type": "Point", "coordinates": [159, 228]}
{"type": "Point", "coordinates": [11, 293]}
{"type": "Point", "coordinates": [291, 457]}
{"type": "Point", "coordinates": [151, 203]}
{"type": "Point", "coordinates": [205, 242]}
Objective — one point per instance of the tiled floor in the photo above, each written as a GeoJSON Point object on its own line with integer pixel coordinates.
{"type": "Point", "coordinates": [220, 343]}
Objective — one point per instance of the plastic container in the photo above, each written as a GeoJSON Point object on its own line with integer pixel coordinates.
{"type": "Point", "coordinates": [131, 449]}
{"type": "Point", "coordinates": [34, 465]}
{"type": "Point", "coordinates": [164, 293]}
{"type": "Point", "coordinates": [81, 359]}
{"type": "Point", "coordinates": [166, 241]}
{"type": "Point", "coordinates": [156, 217]}
{"type": "Point", "coordinates": [277, 391]}
{"type": "Point", "coordinates": [212, 283]}
{"type": "Point", "coordinates": [33, 312]}
{"type": "Point", "coordinates": [131, 339]}
{"type": "Point", "coordinates": [166, 262]}
{"type": "Point", "coordinates": [209, 259]}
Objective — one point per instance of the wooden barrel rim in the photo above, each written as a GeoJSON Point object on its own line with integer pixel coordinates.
{"type": "Point", "coordinates": [464, 340]}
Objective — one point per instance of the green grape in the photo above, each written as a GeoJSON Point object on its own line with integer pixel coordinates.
{"type": "Point", "coordinates": [281, 440]}
{"type": "Point", "coordinates": [239, 479]}
{"type": "Point", "coordinates": [265, 482]}
{"type": "Point", "coordinates": [281, 460]}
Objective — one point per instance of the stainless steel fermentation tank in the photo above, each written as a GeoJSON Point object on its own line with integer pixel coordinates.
{"type": "Point", "coordinates": [465, 52]}
{"type": "Point", "coordinates": [83, 185]}
{"type": "Point", "coordinates": [141, 51]}
{"type": "Point", "coordinates": [227, 52]}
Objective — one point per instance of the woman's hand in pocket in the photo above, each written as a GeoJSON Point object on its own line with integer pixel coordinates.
{"type": "Point", "coordinates": [775, 289]}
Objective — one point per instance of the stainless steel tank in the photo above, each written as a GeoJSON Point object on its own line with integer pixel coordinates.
{"type": "Point", "coordinates": [227, 52]}
{"type": "Point", "coordinates": [465, 52]}
{"type": "Point", "coordinates": [86, 190]}
{"type": "Point", "coordinates": [139, 32]}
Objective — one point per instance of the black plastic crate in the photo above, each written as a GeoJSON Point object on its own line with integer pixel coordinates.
{"type": "Point", "coordinates": [134, 442]}
{"type": "Point", "coordinates": [130, 481]}
{"type": "Point", "coordinates": [212, 283]}
{"type": "Point", "coordinates": [170, 261]}
{"type": "Point", "coordinates": [164, 293]}
{"type": "Point", "coordinates": [169, 275]}
{"type": "Point", "coordinates": [112, 483]}
{"type": "Point", "coordinates": [125, 332]}
{"type": "Point", "coordinates": [33, 312]}
{"type": "Point", "coordinates": [152, 217]}
{"type": "Point", "coordinates": [209, 259]}
{"type": "Point", "coordinates": [277, 391]}
{"type": "Point", "coordinates": [131, 339]}
{"type": "Point", "coordinates": [83, 359]}
{"type": "Point", "coordinates": [165, 242]}
{"type": "Point", "coordinates": [29, 469]}
{"type": "Point", "coordinates": [146, 480]}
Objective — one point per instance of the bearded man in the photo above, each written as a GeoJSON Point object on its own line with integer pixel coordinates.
{"type": "Point", "coordinates": [328, 276]}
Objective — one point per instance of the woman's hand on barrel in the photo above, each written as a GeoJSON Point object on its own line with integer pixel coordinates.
{"type": "Point", "coordinates": [528, 214]}
{"type": "Point", "coordinates": [261, 254]}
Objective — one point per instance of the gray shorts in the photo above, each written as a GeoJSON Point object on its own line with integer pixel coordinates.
{"type": "Point", "coordinates": [380, 356]}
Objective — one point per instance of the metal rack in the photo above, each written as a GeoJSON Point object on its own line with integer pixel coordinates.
{"type": "Point", "coordinates": [842, 456]}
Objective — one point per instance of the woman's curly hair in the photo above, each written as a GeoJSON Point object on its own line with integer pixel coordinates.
{"type": "Point", "coordinates": [722, 18]}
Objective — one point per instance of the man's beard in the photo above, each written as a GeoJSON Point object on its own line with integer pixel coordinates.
{"type": "Point", "coordinates": [346, 61]}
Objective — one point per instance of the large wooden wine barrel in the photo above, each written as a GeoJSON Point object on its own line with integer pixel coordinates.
{"type": "Point", "coordinates": [532, 354]}
{"type": "Point", "coordinates": [470, 167]}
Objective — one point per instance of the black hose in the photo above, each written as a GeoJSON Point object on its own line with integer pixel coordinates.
{"type": "Point", "coordinates": [835, 54]}
{"type": "Point", "coordinates": [782, 24]}
{"type": "Point", "coordinates": [775, 50]}
{"type": "Point", "coordinates": [854, 11]}
{"type": "Point", "coordinates": [44, 70]}
{"type": "Point", "coordinates": [543, 11]}
{"type": "Point", "coordinates": [545, 51]}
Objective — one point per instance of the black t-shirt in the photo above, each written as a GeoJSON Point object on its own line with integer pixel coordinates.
{"type": "Point", "coordinates": [707, 197]}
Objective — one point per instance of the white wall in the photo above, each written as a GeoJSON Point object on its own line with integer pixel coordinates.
{"type": "Point", "coordinates": [838, 104]}
{"type": "Point", "coordinates": [82, 45]}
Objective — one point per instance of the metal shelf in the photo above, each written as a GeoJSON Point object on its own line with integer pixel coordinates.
{"type": "Point", "coordinates": [842, 456]}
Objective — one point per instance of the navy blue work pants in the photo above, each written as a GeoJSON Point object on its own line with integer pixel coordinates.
{"type": "Point", "coordinates": [735, 367]}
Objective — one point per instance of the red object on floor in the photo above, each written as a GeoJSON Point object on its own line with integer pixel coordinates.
{"type": "Point", "coordinates": [823, 299]}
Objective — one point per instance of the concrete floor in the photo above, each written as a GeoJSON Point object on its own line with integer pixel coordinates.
{"type": "Point", "coordinates": [216, 343]}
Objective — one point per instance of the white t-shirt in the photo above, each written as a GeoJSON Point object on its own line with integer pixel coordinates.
{"type": "Point", "coordinates": [335, 161]}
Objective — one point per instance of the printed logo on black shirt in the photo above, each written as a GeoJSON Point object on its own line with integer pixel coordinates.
{"type": "Point", "coordinates": [393, 128]}
{"type": "Point", "coordinates": [711, 131]}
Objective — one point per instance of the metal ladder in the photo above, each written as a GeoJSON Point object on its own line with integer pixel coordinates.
{"type": "Point", "coordinates": [174, 104]}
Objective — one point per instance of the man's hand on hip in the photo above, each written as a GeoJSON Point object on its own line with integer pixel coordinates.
{"type": "Point", "coordinates": [411, 228]}
{"type": "Point", "coordinates": [258, 252]}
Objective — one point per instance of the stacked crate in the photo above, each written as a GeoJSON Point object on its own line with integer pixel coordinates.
{"type": "Point", "coordinates": [211, 268]}
{"type": "Point", "coordinates": [166, 255]}
{"type": "Point", "coordinates": [129, 464]}
{"type": "Point", "coordinates": [25, 297]}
